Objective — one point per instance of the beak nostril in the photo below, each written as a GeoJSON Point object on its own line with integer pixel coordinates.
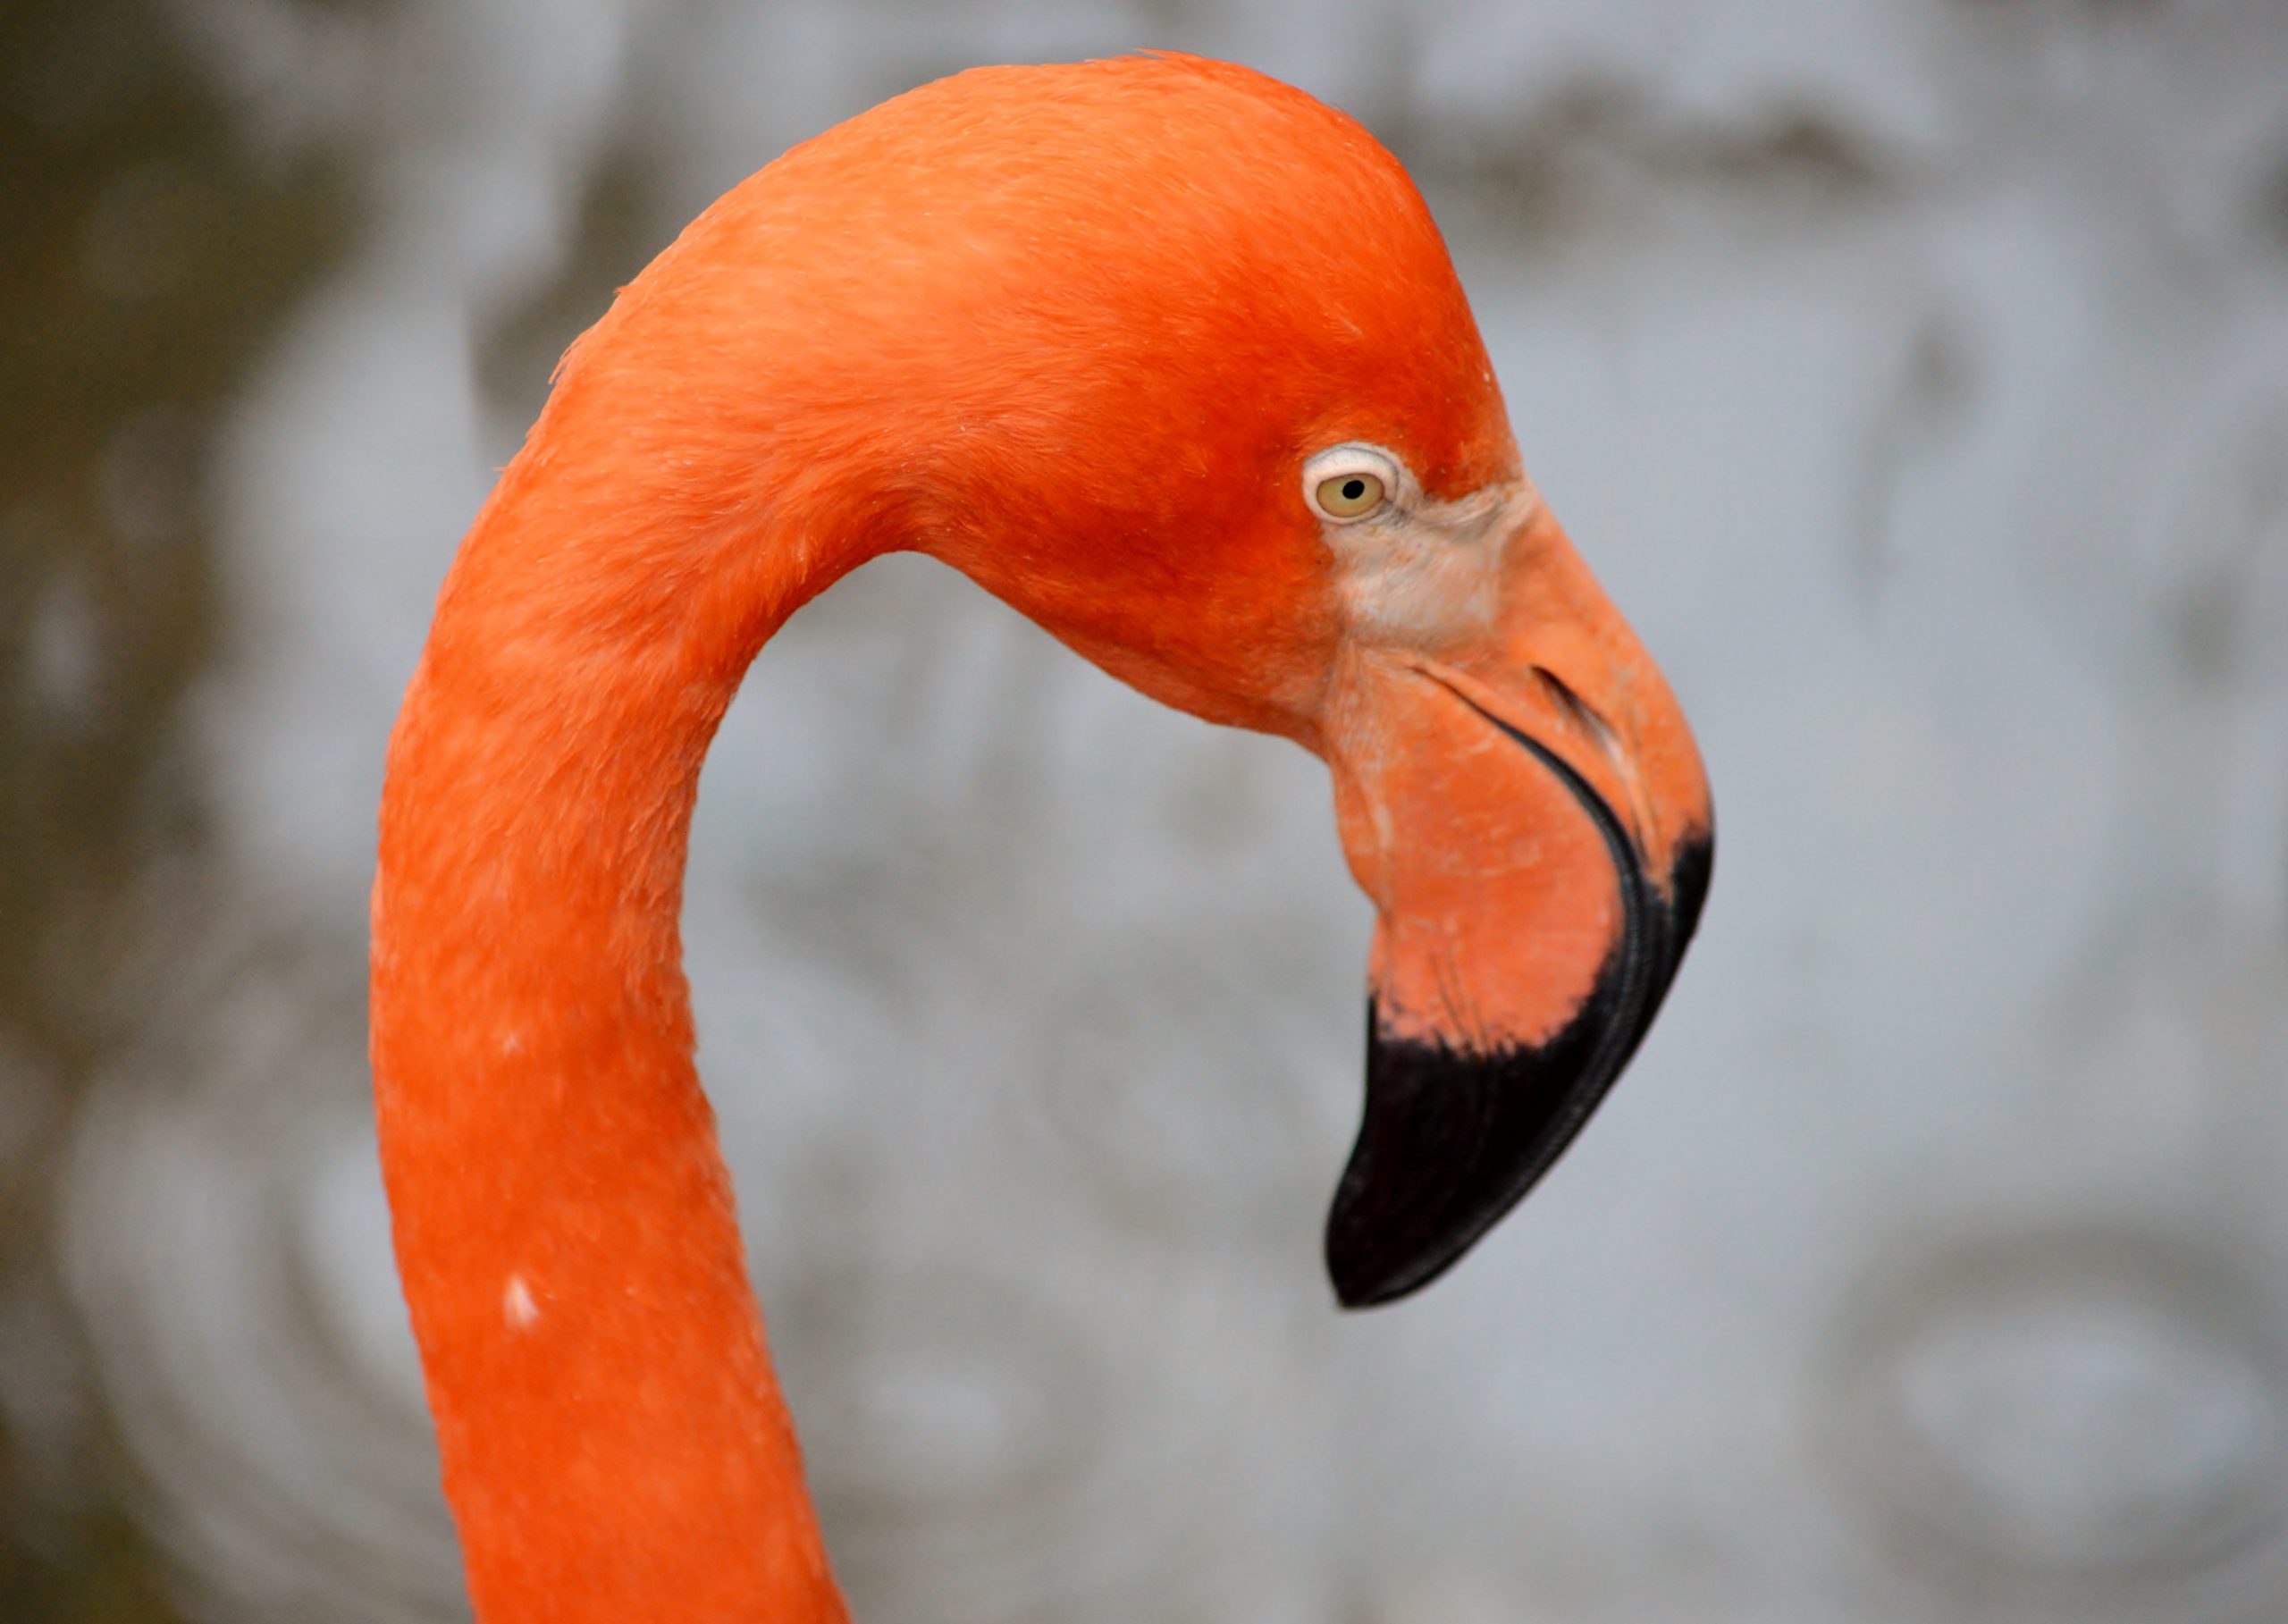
{"type": "Point", "coordinates": [1576, 711]}
{"type": "Point", "coordinates": [1600, 733]}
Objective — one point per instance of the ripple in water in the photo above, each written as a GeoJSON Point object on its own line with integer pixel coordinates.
{"type": "Point", "coordinates": [2095, 1421]}
{"type": "Point", "coordinates": [997, 1438]}
{"type": "Point", "coordinates": [226, 1244]}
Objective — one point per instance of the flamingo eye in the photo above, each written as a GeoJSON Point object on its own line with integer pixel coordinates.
{"type": "Point", "coordinates": [1350, 495]}
{"type": "Point", "coordinates": [1349, 483]}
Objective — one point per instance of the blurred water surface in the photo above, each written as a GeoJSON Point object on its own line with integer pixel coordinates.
{"type": "Point", "coordinates": [1914, 373]}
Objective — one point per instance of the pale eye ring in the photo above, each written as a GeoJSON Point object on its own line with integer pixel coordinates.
{"type": "Point", "coordinates": [1350, 483]}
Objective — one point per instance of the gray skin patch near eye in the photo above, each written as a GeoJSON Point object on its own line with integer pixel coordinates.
{"type": "Point", "coordinates": [1413, 572]}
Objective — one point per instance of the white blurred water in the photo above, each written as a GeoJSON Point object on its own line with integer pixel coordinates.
{"type": "Point", "coordinates": [1914, 374]}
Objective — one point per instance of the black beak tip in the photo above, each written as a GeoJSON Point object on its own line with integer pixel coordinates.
{"type": "Point", "coordinates": [1370, 1264]}
{"type": "Point", "coordinates": [1369, 1277]}
{"type": "Point", "coordinates": [1452, 1140]}
{"type": "Point", "coordinates": [1357, 1286]}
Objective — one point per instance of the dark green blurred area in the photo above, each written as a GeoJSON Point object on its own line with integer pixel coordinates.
{"type": "Point", "coordinates": [149, 256]}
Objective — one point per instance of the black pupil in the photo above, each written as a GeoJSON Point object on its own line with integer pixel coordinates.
{"type": "Point", "coordinates": [1353, 489]}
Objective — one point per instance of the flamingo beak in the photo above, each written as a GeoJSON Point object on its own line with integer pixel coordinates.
{"type": "Point", "coordinates": [1526, 806]}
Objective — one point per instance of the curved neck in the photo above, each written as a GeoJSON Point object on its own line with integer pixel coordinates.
{"type": "Point", "coordinates": [614, 1443]}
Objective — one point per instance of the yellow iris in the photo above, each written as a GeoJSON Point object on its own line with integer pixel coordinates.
{"type": "Point", "coordinates": [1349, 495]}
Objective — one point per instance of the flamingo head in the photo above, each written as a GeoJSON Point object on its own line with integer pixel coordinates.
{"type": "Point", "coordinates": [1172, 357]}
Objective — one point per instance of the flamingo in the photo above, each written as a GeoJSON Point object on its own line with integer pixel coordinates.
{"type": "Point", "coordinates": [1171, 357]}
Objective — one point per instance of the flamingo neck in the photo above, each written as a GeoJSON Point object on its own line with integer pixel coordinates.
{"type": "Point", "coordinates": [614, 1443]}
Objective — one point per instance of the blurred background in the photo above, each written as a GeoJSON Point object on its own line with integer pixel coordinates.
{"type": "Point", "coordinates": [1914, 372]}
